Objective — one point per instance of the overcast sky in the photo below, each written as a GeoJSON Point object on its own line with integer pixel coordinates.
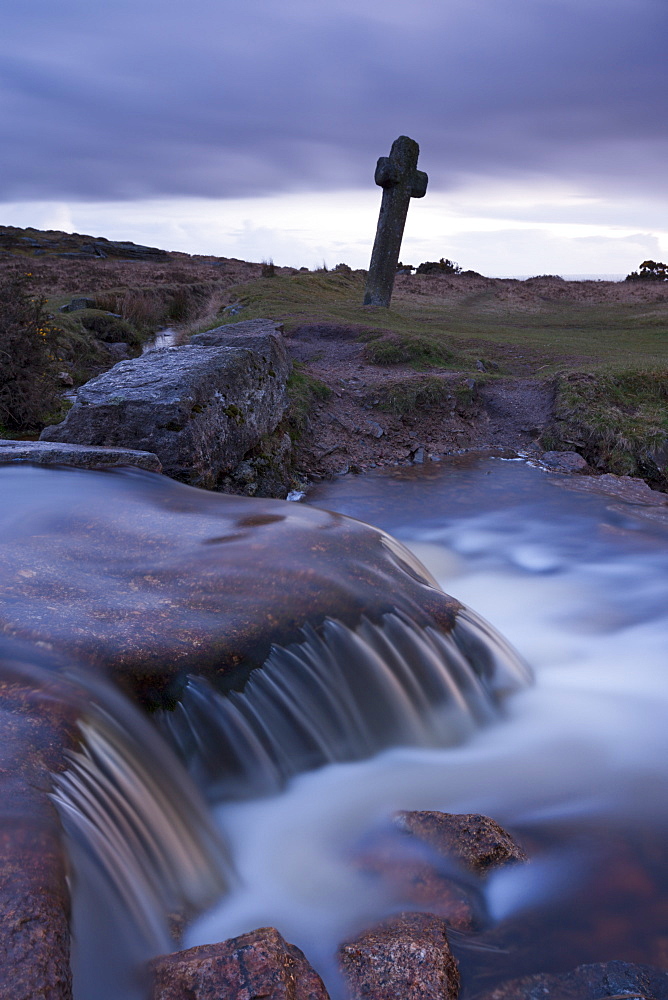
{"type": "Point", "coordinates": [251, 128]}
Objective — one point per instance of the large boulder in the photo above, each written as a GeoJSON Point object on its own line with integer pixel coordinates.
{"type": "Point", "coordinates": [199, 409]}
{"type": "Point", "coordinates": [258, 964]}
{"type": "Point", "coordinates": [242, 334]}
{"type": "Point", "coordinates": [406, 957]}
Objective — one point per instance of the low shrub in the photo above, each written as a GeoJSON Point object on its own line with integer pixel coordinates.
{"type": "Point", "coordinates": [29, 390]}
{"type": "Point", "coordinates": [111, 329]}
{"type": "Point", "coordinates": [649, 270]}
{"type": "Point", "coordinates": [442, 266]}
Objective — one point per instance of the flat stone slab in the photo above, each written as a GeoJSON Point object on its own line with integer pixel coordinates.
{"type": "Point", "coordinates": [199, 409]}
{"type": "Point", "coordinates": [244, 333]}
{"type": "Point", "coordinates": [80, 455]}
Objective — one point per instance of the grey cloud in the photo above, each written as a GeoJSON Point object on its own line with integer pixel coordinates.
{"type": "Point", "coordinates": [219, 99]}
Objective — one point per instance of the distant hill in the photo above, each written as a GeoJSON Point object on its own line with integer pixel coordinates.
{"type": "Point", "coordinates": [40, 243]}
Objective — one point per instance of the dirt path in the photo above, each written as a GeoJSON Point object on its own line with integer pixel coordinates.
{"type": "Point", "coordinates": [381, 415]}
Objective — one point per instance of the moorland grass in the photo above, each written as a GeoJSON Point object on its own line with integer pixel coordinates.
{"type": "Point", "coordinates": [432, 330]}
{"type": "Point", "coordinates": [607, 357]}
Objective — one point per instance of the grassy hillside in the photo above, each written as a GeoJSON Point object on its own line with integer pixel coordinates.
{"type": "Point", "coordinates": [603, 344]}
{"type": "Point", "coordinates": [540, 326]}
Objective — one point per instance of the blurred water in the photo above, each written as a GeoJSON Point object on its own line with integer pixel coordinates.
{"type": "Point", "coordinates": [578, 764]}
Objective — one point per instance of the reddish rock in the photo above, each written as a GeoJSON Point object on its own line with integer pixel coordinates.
{"type": "Point", "coordinates": [258, 964]}
{"type": "Point", "coordinates": [475, 842]}
{"type": "Point", "coordinates": [188, 601]}
{"type": "Point", "coordinates": [404, 958]}
{"type": "Point", "coordinates": [413, 876]}
{"type": "Point", "coordinates": [587, 982]}
{"type": "Point", "coordinates": [37, 729]}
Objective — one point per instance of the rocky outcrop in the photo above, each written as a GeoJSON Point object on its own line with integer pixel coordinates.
{"type": "Point", "coordinates": [404, 958]}
{"type": "Point", "coordinates": [79, 455]}
{"type": "Point", "coordinates": [258, 964]}
{"type": "Point", "coordinates": [199, 409]}
{"type": "Point", "coordinates": [588, 982]}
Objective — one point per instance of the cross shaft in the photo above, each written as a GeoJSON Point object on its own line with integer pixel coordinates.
{"type": "Point", "coordinates": [400, 179]}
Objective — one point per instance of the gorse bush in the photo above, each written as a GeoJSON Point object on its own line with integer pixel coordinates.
{"type": "Point", "coordinates": [442, 266]}
{"type": "Point", "coordinates": [28, 362]}
{"type": "Point", "coordinates": [650, 270]}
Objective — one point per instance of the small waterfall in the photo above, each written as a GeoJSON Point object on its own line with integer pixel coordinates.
{"type": "Point", "coordinates": [141, 842]}
{"type": "Point", "coordinates": [343, 694]}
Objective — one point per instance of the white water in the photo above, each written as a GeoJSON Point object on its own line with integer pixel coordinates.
{"type": "Point", "coordinates": [580, 586]}
{"type": "Point", "coordinates": [160, 340]}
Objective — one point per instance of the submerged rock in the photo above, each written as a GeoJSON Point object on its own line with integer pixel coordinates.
{"type": "Point", "coordinates": [413, 877]}
{"type": "Point", "coordinates": [588, 982]}
{"type": "Point", "coordinates": [430, 867]}
{"type": "Point", "coordinates": [404, 958]}
{"type": "Point", "coordinates": [258, 964]}
{"type": "Point", "coordinates": [199, 409]}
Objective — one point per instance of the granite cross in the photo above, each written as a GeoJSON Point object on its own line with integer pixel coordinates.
{"type": "Point", "coordinates": [400, 180]}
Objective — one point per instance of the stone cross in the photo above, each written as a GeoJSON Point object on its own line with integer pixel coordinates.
{"type": "Point", "coordinates": [400, 180]}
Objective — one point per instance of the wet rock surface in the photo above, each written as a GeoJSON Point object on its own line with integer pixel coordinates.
{"type": "Point", "coordinates": [152, 580]}
{"type": "Point", "coordinates": [37, 730]}
{"type": "Point", "coordinates": [588, 982]}
{"type": "Point", "coordinates": [258, 964]}
{"type": "Point", "coordinates": [474, 842]}
{"type": "Point", "coordinates": [563, 461]}
{"type": "Point", "coordinates": [404, 958]}
{"type": "Point", "coordinates": [632, 495]}
{"type": "Point", "coordinates": [427, 859]}
{"type": "Point", "coordinates": [199, 409]}
{"type": "Point", "coordinates": [414, 877]}
{"type": "Point", "coordinates": [79, 455]}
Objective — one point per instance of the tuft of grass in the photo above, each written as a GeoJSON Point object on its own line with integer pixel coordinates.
{"type": "Point", "coordinates": [418, 350]}
{"type": "Point", "coordinates": [618, 420]}
{"type": "Point", "coordinates": [405, 396]}
{"type": "Point", "coordinates": [303, 392]}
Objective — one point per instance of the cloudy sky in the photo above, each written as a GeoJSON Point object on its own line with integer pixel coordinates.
{"type": "Point", "coordinates": [251, 128]}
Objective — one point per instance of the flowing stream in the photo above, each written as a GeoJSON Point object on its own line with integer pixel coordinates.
{"type": "Point", "coordinates": [262, 802]}
{"type": "Point", "coordinates": [576, 765]}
